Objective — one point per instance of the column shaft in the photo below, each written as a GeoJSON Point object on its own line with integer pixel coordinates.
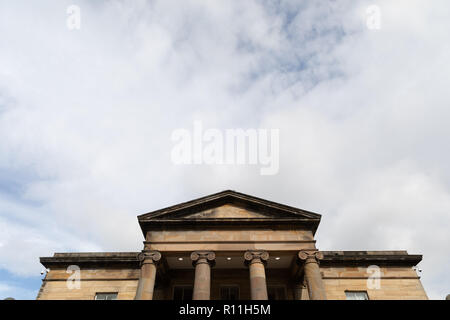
{"type": "Point", "coordinates": [147, 277]}
{"type": "Point", "coordinates": [258, 286]}
{"type": "Point", "coordinates": [202, 282]}
{"type": "Point", "coordinates": [301, 291]}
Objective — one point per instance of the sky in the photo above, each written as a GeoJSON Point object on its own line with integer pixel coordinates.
{"type": "Point", "coordinates": [87, 115]}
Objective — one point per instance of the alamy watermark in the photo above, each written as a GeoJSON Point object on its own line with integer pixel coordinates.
{"type": "Point", "coordinates": [73, 21]}
{"type": "Point", "coordinates": [374, 280]}
{"type": "Point", "coordinates": [373, 17]}
{"type": "Point", "coordinates": [74, 280]}
{"type": "Point", "coordinates": [230, 146]}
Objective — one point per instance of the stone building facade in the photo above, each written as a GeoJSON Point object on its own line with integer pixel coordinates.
{"type": "Point", "coordinates": [236, 247]}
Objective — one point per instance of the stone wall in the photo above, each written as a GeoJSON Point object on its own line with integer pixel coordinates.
{"type": "Point", "coordinates": [123, 281]}
{"type": "Point", "coordinates": [396, 283]}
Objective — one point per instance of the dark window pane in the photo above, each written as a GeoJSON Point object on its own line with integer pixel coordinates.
{"type": "Point", "coordinates": [224, 293]}
{"type": "Point", "coordinates": [281, 294]}
{"type": "Point", "coordinates": [177, 293]}
{"type": "Point", "coordinates": [234, 293]}
{"type": "Point", "coordinates": [229, 293]}
{"type": "Point", "coordinates": [276, 293]}
{"type": "Point", "coordinates": [106, 296]}
{"type": "Point", "coordinates": [182, 293]}
{"type": "Point", "coordinates": [187, 293]}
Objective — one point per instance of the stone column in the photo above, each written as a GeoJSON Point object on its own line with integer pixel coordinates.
{"type": "Point", "coordinates": [301, 291]}
{"type": "Point", "coordinates": [316, 287]}
{"type": "Point", "coordinates": [298, 292]}
{"type": "Point", "coordinates": [146, 284]}
{"type": "Point", "coordinates": [256, 261]}
{"type": "Point", "coordinates": [202, 261]}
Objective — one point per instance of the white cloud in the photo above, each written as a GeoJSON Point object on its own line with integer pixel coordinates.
{"type": "Point", "coordinates": [16, 292]}
{"type": "Point", "coordinates": [86, 118]}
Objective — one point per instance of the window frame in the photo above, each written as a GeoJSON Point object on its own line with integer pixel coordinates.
{"type": "Point", "coordinates": [277, 286]}
{"type": "Point", "coordinates": [182, 286]}
{"type": "Point", "coordinates": [355, 292]}
{"type": "Point", "coordinates": [228, 286]}
{"type": "Point", "coordinates": [106, 293]}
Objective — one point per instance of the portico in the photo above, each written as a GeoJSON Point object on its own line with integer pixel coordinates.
{"type": "Point", "coordinates": [255, 262]}
{"type": "Point", "coordinates": [234, 232]}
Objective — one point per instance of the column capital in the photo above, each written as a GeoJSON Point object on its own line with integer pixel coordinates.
{"type": "Point", "coordinates": [198, 257]}
{"type": "Point", "coordinates": [252, 256]}
{"type": "Point", "coordinates": [149, 256]}
{"type": "Point", "coordinates": [310, 256]}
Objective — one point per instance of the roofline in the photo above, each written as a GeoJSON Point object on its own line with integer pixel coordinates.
{"type": "Point", "coordinates": [331, 258]}
{"type": "Point", "coordinates": [90, 258]}
{"type": "Point", "coordinates": [366, 258]}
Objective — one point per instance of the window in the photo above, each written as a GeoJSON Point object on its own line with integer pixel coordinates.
{"type": "Point", "coordinates": [106, 296]}
{"type": "Point", "coordinates": [229, 293]}
{"type": "Point", "coordinates": [356, 295]}
{"type": "Point", "coordinates": [276, 293]}
{"type": "Point", "coordinates": [182, 293]}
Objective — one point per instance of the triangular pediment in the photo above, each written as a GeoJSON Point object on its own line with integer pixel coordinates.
{"type": "Point", "coordinates": [226, 211]}
{"type": "Point", "coordinates": [228, 205]}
